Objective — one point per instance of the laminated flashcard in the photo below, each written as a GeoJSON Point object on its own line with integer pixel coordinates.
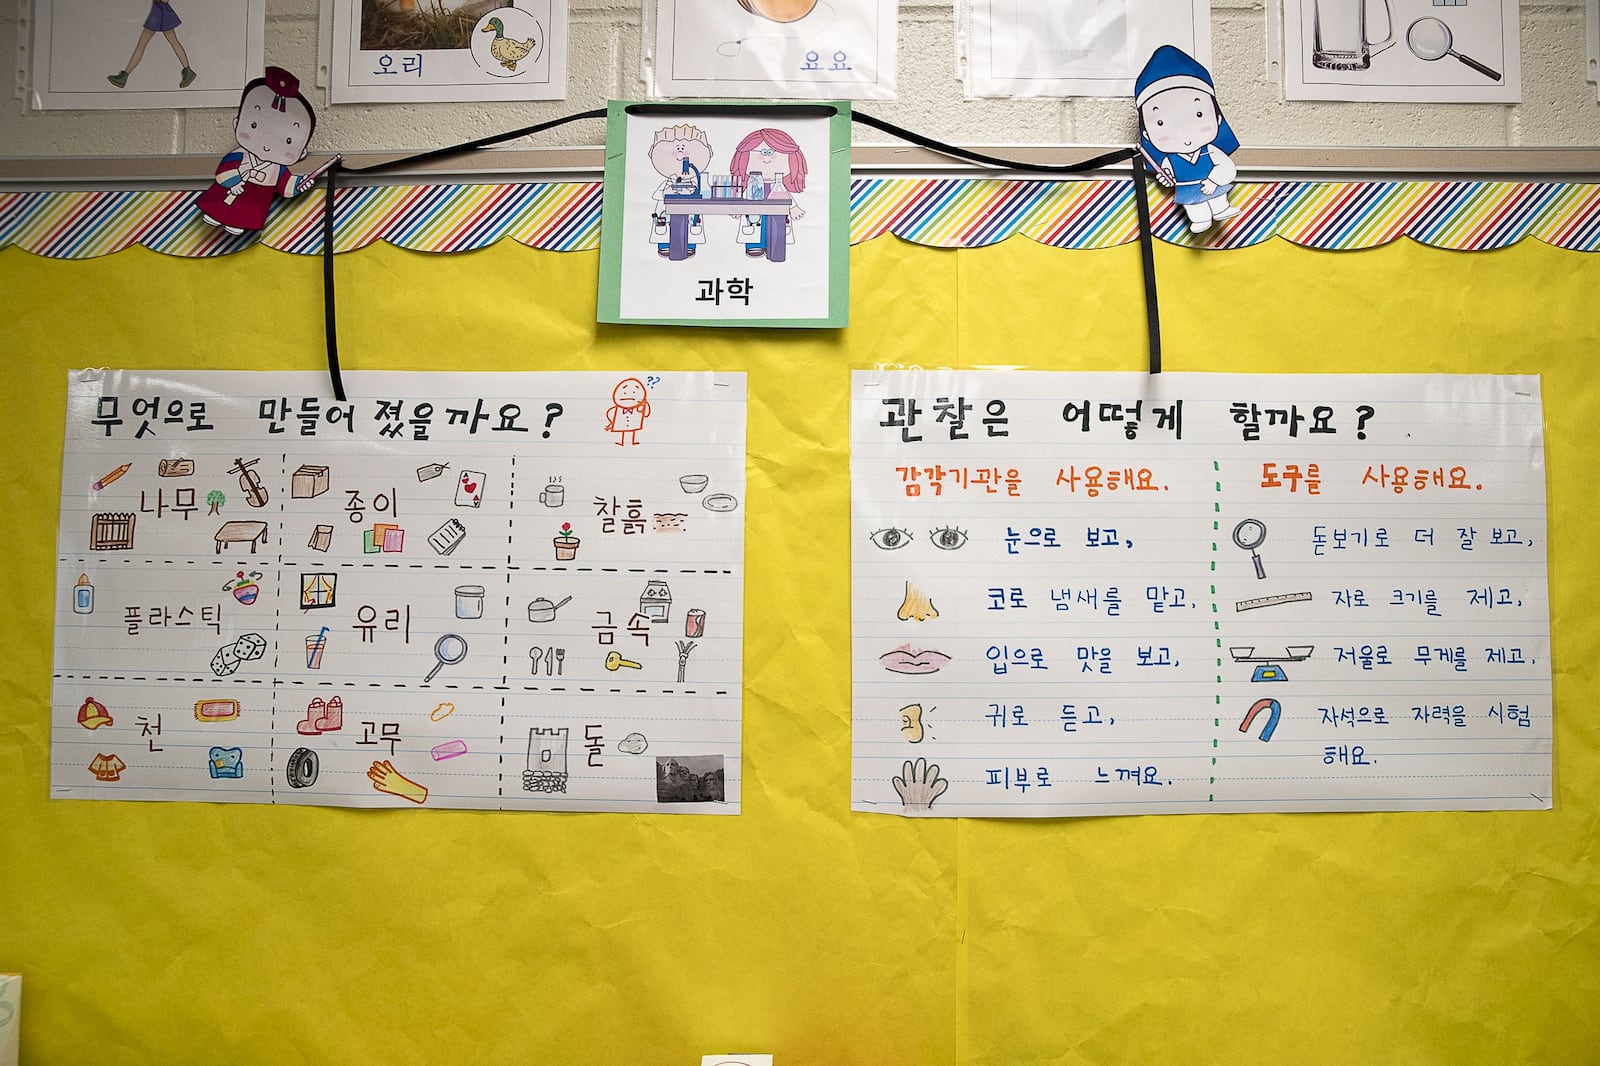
{"type": "Point", "coordinates": [1102, 594]}
{"type": "Point", "coordinates": [785, 49]}
{"type": "Point", "coordinates": [726, 215]}
{"type": "Point", "coordinates": [132, 54]}
{"type": "Point", "coordinates": [1074, 47]}
{"type": "Point", "coordinates": [497, 591]}
{"type": "Point", "coordinates": [1440, 51]}
{"type": "Point", "coordinates": [426, 50]}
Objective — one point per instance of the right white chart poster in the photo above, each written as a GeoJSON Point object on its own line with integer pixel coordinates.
{"type": "Point", "coordinates": [1101, 594]}
{"type": "Point", "coordinates": [1422, 51]}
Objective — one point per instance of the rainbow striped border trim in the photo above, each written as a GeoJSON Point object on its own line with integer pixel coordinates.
{"type": "Point", "coordinates": [937, 212]}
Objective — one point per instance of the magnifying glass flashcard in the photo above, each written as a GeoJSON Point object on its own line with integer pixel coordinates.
{"type": "Point", "coordinates": [1250, 534]}
{"type": "Point", "coordinates": [1430, 39]}
{"type": "Point", "coordinates": [449, 650]}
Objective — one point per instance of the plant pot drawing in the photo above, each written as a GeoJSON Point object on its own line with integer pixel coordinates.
{"type": "Point", "coordinates": [566, 547]}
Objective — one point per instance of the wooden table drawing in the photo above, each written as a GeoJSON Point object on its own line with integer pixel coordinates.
{"type": "Point", "coordinates": [239, 532]}
{"type": "Point", "coordinates": [678, 209]}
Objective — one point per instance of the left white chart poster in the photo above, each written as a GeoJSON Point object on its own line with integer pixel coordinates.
{"type": "Point", "coordinates": [419, 51]}
{"type": "Point", "coordinates": [144, 53]}
{"type": "Point", "coordinates": [496, 591]}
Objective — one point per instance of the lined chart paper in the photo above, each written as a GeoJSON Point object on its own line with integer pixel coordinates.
{"type": "Point", "coordinates": [512, 591]}
{"type": "Point", "coordinates": [1099, 594]}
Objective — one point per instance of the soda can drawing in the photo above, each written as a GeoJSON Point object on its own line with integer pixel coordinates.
{"type": "Point", "coordinates": [694, 623]}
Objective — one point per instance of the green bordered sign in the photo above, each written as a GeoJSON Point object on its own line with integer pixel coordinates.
{"type": "Point", "coordinates": [726, 214]}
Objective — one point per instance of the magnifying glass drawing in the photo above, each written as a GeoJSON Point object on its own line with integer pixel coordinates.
{"type": "Point", "coordinates": [1430, 39]}
{"type": "Point", "coordinates": [449, 650]}
{"type": "Point", "coordinates": [1250, 534]}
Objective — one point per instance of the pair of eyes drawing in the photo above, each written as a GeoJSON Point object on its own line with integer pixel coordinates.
{"type": "Point", "coordinates": [949, 538]}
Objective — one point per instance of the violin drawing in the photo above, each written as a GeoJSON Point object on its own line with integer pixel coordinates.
{"type": "Point", "coordinates": [255, 493]}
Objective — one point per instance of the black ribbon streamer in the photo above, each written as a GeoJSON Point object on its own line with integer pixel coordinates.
{"type": "Point", "coordinates": [1140, 198]}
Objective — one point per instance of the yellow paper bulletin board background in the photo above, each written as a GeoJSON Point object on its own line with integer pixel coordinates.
{"type": "Point", "coordinates": [209, 933]}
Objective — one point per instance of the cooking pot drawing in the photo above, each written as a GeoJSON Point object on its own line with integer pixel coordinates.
{"type": "Point", "coordinates": [542, 610]}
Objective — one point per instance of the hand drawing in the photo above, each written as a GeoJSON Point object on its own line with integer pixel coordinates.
{"type": "Point", "coordinates": [720, 502]}
{"type": "Point", "coordinates": [890, 538]}
{"type": "Point", "coordinates": [111, 476]}
{"type": "Point", "coordinates": [566, 543]}
{"type": "Point", "coordinates": [1184, 137]}
{"type": "Point", "coordinates": [441, 712]}
{"type": "Point", "coordinates": [93, 714]}
{"type": "Point", "coordinates": [469, 488]}
{"type": "Point", "coordinates": [215, 710]}
{"type": "Point", "coordinates": [322, 716]}
{"type": "Point", "coordinates": [164, 20]}
{"type": "Point", "coordinates": [547, 761]}
{"type": "Point", "coordinates": [317, 589]}
{"type": "Point", "coordinates": [247, 648]}
{"type": "Point", "coordinates": [385, 778]}
{"type": "Point", "coordinates": [630, 406]}
{"type": "Point", "coordinates": [911, 721]}
{"type": "Point", "coordinates": [1272, 601]}
{"type": "Point", "coordinates": [302, 768]}
{"type": "Point", "coordinates": [273, 129]}
{"type": "Point", "coordinates": [225, 763]}
{"type": "Point", "coordinates": [245, 587]}
{"type": "Point", "coordinates": [655, 602]}
{"type": "Point", "coordinates": [633, 744]}
{"type": "Point", "coordinates": [448, 650]}
{"type": "Point", "coordinates": [107, 767]}
{"type": "Point", "coordinates": [615, 661]}
{"type": "Point", "coordinates": [919, 784]}
{"type": "Point", "coordinates": [684, 648]}
{"type": "Point", "coordinates": [112, 531]}
{"type": "Point", "coordinates": [542, 610]}
{"type": "Point", "coordinates": [948, 538]}
{"type": "Point", "coordinates": [255, 493]}
{"type": "Point", "coordinates": [214, 500]}
{"type": "Point", "coordinates": [1293, 653]}
{"type": "Point", "coordinates": [679, 154]}
{"type": "Point", "coordinates": [694, 484]}
{"type": "Point", "coordinates": [450, 749]}
{"type": "Point", "coordinates": [916, 607]}
{"type": "Point", "coordinates": [906, 660]}
{"type": "Point", "coordinates": [1250, 534]}
{"type": "Point", "coordinates": [1273, 709]}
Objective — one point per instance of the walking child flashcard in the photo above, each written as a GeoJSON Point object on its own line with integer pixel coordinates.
{"type": "Point", "coordinates": [144, 53]}
{"type": "Point", "coordinates": [419, 51]}
{"type": "Point", "coordinates": [729, 214]}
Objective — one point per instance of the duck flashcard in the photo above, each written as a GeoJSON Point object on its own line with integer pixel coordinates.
{"type": "Point", "coordinates": [419, 51]}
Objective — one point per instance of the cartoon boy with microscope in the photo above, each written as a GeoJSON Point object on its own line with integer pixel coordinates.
{"type": "Point", "coordinates": [680, 155]}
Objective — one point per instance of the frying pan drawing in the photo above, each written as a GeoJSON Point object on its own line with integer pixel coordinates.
{"type": "Point", "coordinates": [1430, 39]}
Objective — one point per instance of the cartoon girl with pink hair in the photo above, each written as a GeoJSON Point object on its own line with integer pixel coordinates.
{"type": "Point", "coordinates": [766, 160]}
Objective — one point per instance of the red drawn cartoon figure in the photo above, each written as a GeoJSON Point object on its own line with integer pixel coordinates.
{"type": "Point", "coordinates": [273, 128]}
{"type": "Point", "coordinates": [630, 406]}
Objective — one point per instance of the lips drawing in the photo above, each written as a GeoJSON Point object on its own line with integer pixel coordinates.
{"type": "Point", "coordinates": [905, 660]}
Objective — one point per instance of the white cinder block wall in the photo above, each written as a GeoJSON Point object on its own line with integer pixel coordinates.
{"type": "Point", "coordinates": [1558, 105]}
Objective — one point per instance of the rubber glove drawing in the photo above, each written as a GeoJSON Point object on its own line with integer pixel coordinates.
{"type": "Point", "coordinates": [385, 778]}
{"type": "Point", "coordinates": [920, 784]}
